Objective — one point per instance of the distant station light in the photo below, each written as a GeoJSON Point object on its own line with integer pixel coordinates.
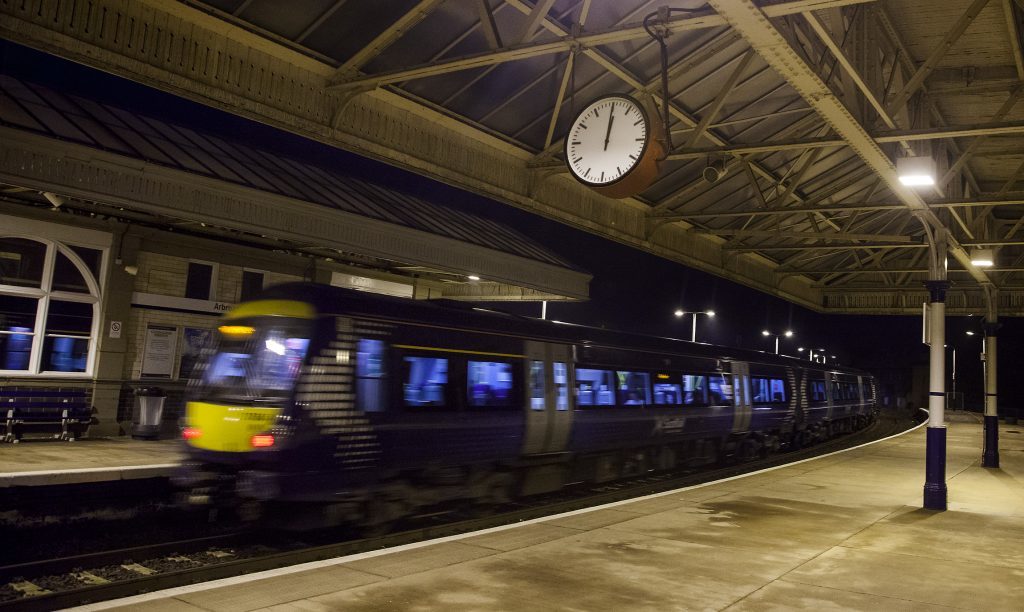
{"type": "Point", "coordinates": [473, 277]}
{"type": "Point", "coordinates": [916, 171]}
{"type": "Point", "coordinates": [679, 312]}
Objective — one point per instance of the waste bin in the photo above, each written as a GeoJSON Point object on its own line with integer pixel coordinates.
{"type": "Point", "coordinates": [149, 411]}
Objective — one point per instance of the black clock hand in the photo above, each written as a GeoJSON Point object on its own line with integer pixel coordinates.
{"type": "Point", "coordinates": [608, 134]}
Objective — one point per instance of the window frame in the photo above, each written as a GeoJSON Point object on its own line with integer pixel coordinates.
{"type": "Point", "coordinates": [45, 294]}
{"type": "Point", "coordinates": [214, 278]}
{"type": "Point", "coordinates": [514, 365]}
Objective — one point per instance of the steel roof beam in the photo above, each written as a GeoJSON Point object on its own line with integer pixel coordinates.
{"type": "Point", "coordinates": [1014, 33]}
{"type": "Point", "coordinates": [386, 38]}
{"type": "Point", "coordinates": [823, 247]}
{"type": "Point", "coordinates": [747, 233]}
{"type": "Point", "coordinates": [754, 26]}
{"type": "Point", "coordinates": [837, 208]}
{"type": "Point", "coordinates": [953, 35]}
{"type": "Point", "coordinates": [565, 43]}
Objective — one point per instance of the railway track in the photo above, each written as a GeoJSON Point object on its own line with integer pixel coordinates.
{"type": "Point", "coordinates": [68, 581]}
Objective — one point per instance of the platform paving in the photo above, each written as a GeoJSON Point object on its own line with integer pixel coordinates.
{"type": "Point", "coordinates": [53, 462]}
{"type": "Point", "coordinates": [841, 532]}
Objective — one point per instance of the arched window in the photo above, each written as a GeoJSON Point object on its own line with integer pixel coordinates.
{"type": "Point", "coordinates": [49, 306]}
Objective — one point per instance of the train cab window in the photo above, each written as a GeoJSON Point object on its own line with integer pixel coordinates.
{"type": "Point", "coordinates": [595, 387]}
{"type": "Point", "coordinates": [720, 389]}
{"type": "Point", "coordinates": [425, 381]}
{"type": "Point", "coordinates": [666, 391]}
{"type": "Point", "coordinates": [816, 391]}
{"type": "Point", "coordinates": [634, 388]}
{"type": "Point", "coordinates": [561, 386]}
{"type": "Point", "coordinates": [489, 383]}
{"type": "Point", "coordinates": [768, 390]}
{"type": "Point", "coordinates": [694, 390]}
{"type": "Point", "coordinates": [370, 383]}
{"type": "Point", "coordinates": [537, 385]}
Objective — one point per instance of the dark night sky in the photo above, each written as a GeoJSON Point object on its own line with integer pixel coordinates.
{"type": "Point", "coordinates": [631, 290]}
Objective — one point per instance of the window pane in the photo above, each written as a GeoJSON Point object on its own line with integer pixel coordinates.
{"type": "Point", "coordinates": [21, 262]}
{"type": "Point", "coordinates": [252, 283]}
{"type": "Point", "coordinates": [425, 380]}
{"type": "Point", "coordinates": [489, 383]}
{"type": "Point", "coordinates": [92, 258]}
{"type": "Point", "coordinates": [66, 276]}
{"type": "Point", "coordinates": [667, 393]}
{"type": "Point", "coordinates": [197, 283]}
{"type": "Point", "coordinates": [720, 388]}
{"type": "Point", "coordinates": [561, 386]}
{"type": "Point", "coordinates": [15, 348]}
{"type": "Point", "coordinates": [17, 314]}
{"type": "Point", "coordinates": [63, 354]}
{"type": "Point", "coordinates": [537, 385]}
{"type": "Point", "coordinates": [694, 390]}
{"type": "Point", "coordinates": [370, 382]}
{"type": "Point", "coordinates": [595, 387]}
{"type": "Point", "coordinates": [778, 390]}
{"type": "Point", "coordinates": [69, 318]}
{"type": "Point", "coordinates": [634, 388]}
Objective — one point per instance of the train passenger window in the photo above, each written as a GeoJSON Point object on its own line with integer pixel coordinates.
{"type": "Point", "coordinates": [370, 384]}
{"type": "Point", "coordinates": [489, 383]}
{"type": "Point", "coordinates": [425, 381]}
{"type": "Point", "coordinates": [694, 390]}
{"type": "Point", "coordinates": [667, 393]}
{"type": "Point", "coordinates": [768, 390]}
{"type": "Point", "coordinates": [595, 387]}
{"type": "Point", "coordinates": [537, 385]}
{"type": "Point", "coordinates": [720, 389]}
{"type": "Point", "coordinates": [634, 388]}
{"type": "Point", "coordinates": [561, 386]}
{"type": "Point", "coordinates": [837, 393]}
{"type": "Point", "coordinates": [816, 391]}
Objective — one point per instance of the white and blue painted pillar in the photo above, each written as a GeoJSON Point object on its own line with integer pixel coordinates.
{"type": "Point", "coordinates": [935, 450]}
{"type": "Point", "coordinates": [990, 456]}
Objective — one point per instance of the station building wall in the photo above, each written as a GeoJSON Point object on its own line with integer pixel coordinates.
{"type": "Point", "coordinates": [144, 330]}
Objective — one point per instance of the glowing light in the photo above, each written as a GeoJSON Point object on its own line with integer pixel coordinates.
{"type": "Point", "coordinates": [789, 333]}
{"type": "Point", "coordinates": [275, 347]}
{"type": "Point", "coordinates": [983, 258]}
{"type": "Point", "coordinates": [916, 171]}
{"type": "Point", "coordinates": [710, 313]}
{"type": "Point", "coordinates": [679, 312]}
{"type": "Point", "coordinates": [236, 330]}
{"type": "Point", "coordinates": [262, 441]}
{"type": "Point", "coordinates": [473, 277]}
{"type": "Point", "coordinates": [191, 433]}
{"type": "Point", "coordinates": [766, 333]}
{"type": "Point", "coordinates": [970, 333]}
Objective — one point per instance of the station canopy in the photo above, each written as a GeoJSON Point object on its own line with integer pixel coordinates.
{"type": "Point", "coordinates": [802, 107]}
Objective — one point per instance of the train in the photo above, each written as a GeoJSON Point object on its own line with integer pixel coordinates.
{"type": "Point", "coordinates": [350, 407]}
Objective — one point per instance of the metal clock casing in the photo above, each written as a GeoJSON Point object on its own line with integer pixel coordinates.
{"type": "Point", "coordinates": [612, 146]}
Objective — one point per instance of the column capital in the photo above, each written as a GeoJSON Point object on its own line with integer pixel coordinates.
{"type": "Point", "coordinates": [937, 290]}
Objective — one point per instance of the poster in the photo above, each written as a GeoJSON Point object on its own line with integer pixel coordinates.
{"type": "Point", "coordinates": [158, 355]}
{"type": "Point", "coordinates": [195, 339]}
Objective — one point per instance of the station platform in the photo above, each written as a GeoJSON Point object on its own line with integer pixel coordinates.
{"type": "Point", "coordinates": [35, 463]}
{"type": "Point", "coordinates": [844, 531]}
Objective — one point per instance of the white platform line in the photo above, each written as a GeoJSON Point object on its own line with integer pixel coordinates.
{"type": "Point", "coordinates": [119, 468]}
{"type": "Point", "coordinates": [294, 569]}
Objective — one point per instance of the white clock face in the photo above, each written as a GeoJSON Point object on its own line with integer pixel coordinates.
{"type": "Point", "coordinates": [606, 140]}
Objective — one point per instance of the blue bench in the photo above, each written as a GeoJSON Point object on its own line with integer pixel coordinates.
{"type": "Point", "coordinates": [60, 412]}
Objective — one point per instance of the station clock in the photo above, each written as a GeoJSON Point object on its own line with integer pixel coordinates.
{"type": "Point", "coordinates": [613, 147]}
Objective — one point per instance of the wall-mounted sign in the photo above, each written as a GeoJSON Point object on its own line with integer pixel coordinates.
{"type": "Point", "coordinates": [115, 329]}
{"type": "Point", "coordinates": [158, 354]}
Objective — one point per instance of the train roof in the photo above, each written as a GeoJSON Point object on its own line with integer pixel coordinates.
{"type": "Point", "coordinates": [339, 301]}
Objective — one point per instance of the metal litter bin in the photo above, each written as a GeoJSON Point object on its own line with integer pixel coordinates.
{"type": "Point", "coordinates": [149, 412]}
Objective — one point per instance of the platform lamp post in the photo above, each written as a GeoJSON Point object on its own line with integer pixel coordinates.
{"type": "Point", "coordinates": [680, 313]}
{"type": "Point", "coordinates": [788, 333]}
{"type": "Point", "coordinates": [935, 490]}
{"type": "Point", "coordinates": [990, 456]}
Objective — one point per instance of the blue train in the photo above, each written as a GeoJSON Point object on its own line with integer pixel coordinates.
{"type": "Point", "coordinates": [369, 408]}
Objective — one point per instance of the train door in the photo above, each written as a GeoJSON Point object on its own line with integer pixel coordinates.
{"type": "Point", "coordinates": [549, 397]}
{"type": "Point", "coordinates": [741, 396]}
{"type": "Point", "coordinates": [831, 395]}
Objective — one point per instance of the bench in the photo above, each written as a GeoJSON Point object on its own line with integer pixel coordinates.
{"type": "Point", "coordinates": [61, 412]}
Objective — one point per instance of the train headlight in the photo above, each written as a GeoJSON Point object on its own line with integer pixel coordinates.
{"type": "Point", "coordinates": [262, 441]}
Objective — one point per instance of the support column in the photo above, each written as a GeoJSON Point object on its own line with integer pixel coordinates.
{"type": "Point", "coordinates": [935, 450]}
{"type": "Point", "coordinates": [990, 457]}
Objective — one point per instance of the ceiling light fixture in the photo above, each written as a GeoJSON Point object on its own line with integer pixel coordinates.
{"type": "Point", "coordinates": [983, 258]}
{"type": "Point", "coordinates": [916, 171]}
